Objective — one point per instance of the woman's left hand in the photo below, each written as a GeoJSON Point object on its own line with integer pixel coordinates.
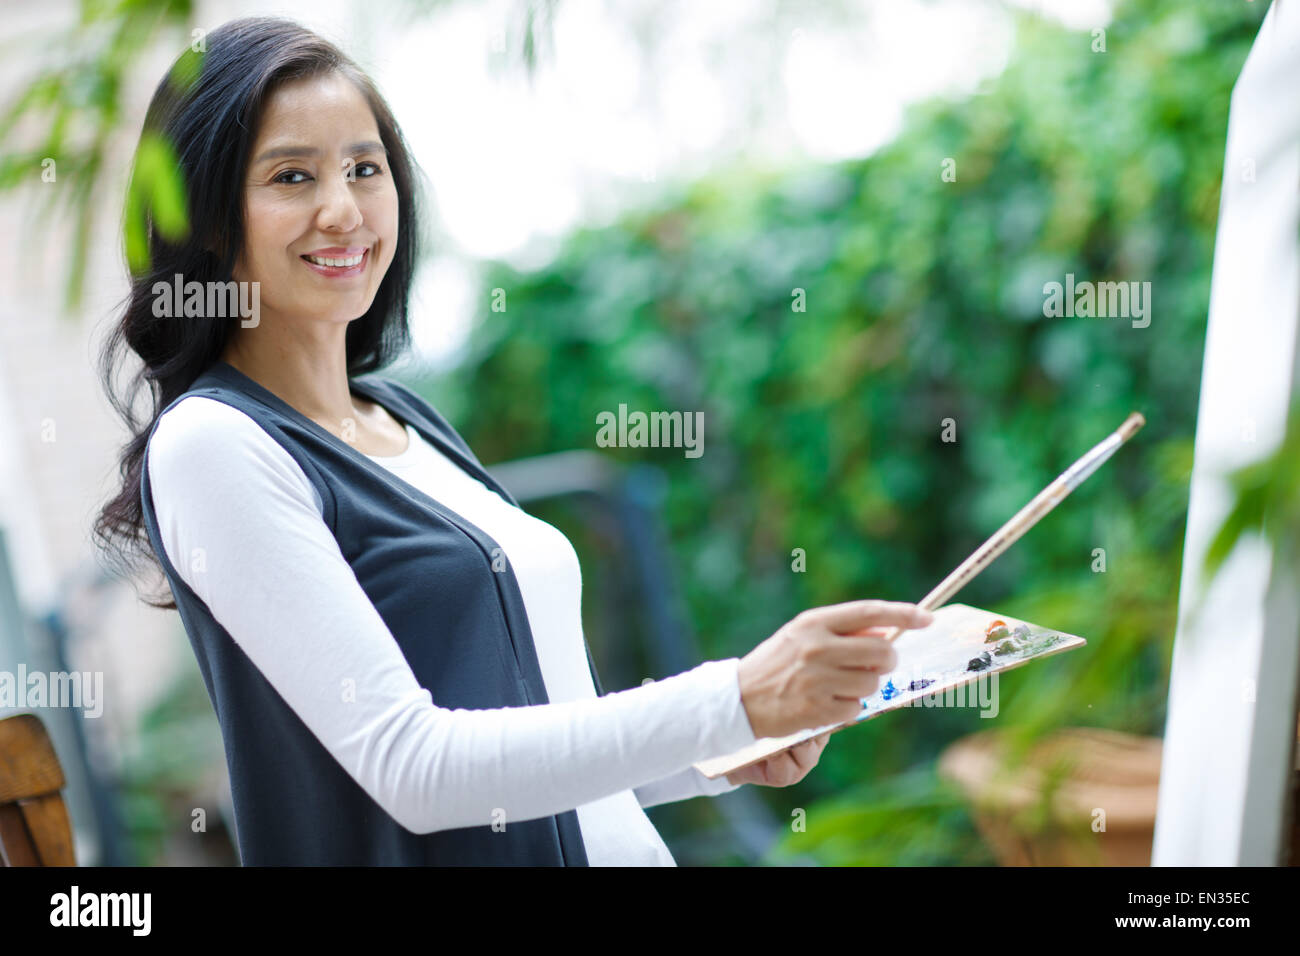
{"type": "Point", "coordinates": [786, 768]}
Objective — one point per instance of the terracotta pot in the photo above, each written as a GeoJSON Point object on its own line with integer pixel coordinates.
{"type": "Point", "coordinates": [1102, 812]}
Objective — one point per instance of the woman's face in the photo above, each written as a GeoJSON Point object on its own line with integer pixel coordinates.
{"type": "Point", "coordinates": [318, 186]}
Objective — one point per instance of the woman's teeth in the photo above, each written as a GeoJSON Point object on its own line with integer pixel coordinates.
{"type": "Point", "coordinates": [349, 261]}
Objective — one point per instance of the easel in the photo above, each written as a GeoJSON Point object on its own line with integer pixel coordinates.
{"type": "Point", "coordinates": [1228, 772]}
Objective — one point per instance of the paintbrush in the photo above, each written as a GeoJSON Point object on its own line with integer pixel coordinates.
{"type": "Point", "coordinates": [1027, 517]}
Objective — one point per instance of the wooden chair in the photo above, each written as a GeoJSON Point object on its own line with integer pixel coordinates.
{"type": "Point", "coordinates": [34, 825]}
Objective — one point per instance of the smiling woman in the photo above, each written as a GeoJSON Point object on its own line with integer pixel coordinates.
{"type": "Point", "coordinates": [399, 678]}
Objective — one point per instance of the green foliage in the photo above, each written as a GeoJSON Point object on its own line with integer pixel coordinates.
{"type": "Point", "coordinates": [156, 197]}
{"type": "Point", "coordinates": [76, 105]}
{"type": "Point", "coordinates": [924, 302]}
{"type": "Point", "coordinates": [187, 69]}
{"type": "Point", "coordinates": [910, 819]}
{"type": "Point", "coordinates": [1266, 500]}
{"type": "Point", "coordinates": [177, 744]}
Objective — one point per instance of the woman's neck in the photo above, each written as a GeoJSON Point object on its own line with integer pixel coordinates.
{"type": "Point", "coordinates": [313, 381]}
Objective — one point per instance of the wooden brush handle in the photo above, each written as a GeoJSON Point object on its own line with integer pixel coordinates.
{"type": "Point", "coordinates": [1026, 518]}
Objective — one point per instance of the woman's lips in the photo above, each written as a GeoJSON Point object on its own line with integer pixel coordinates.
{"type": "Point", "coordinates": [339, 272]}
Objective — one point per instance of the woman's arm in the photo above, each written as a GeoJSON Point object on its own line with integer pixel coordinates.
{"type": "Point", "coordinates": [682, 786]}
{"type": "Point", "coordinates": [274, 578]}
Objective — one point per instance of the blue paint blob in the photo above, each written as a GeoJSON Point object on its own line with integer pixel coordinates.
{"type": "Point", "coordinates": [889, 690]}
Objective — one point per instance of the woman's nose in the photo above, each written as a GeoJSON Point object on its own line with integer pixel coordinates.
{"type": "Point", "coordinates": [338, 209]}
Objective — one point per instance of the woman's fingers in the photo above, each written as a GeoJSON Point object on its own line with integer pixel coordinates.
{"type": "Point", "coordinates": [816, 668]}
{"type": "Point", "coordinates": [853, 616]}
{"type": "Point", "coordinates": [804, 754]}
{"type": "Point", "coordinates": [801, 755]}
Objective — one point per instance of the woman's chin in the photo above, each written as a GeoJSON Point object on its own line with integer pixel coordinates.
{"type": "Point", "coordinates": [337, 310]}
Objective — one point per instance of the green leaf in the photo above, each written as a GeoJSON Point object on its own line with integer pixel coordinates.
{"type": "Point", "coordinates": [155, 199]}
{"type": "Point", "coordinates": [187, 69]}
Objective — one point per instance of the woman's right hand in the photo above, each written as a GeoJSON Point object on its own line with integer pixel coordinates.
{"type": "Point", "coordinates": [817, 668]}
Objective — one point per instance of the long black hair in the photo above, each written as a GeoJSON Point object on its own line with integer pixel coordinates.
{"type": "Point", "coordinates": [206, 111]}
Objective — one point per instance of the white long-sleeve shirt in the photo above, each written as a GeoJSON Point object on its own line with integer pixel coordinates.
{"type": "Point", "coordinates": [243, 527]}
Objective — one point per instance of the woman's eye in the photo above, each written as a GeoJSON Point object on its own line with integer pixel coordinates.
{"type": "Point", "coordinates": [360, 171]}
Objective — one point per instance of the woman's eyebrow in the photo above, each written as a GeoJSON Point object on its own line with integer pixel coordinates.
{"type": "Point", "coordinates": [281, 152]}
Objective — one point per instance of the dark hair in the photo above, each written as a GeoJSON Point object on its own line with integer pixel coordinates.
{"type": "Point", "coordinates": [207, 110]}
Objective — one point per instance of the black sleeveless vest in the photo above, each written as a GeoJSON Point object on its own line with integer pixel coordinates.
{"type": "Point", "coordinates": [461, 625]}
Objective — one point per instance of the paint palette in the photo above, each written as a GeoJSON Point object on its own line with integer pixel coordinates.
{"type": "Point", "coordinates": [943, 665]}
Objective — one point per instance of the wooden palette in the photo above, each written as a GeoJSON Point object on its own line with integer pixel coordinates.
{"type": "Point", "coordinates": [933, 663]}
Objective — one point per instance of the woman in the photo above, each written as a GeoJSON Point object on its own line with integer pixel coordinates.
{"type": "Point", "coordinates": [392, 646]}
